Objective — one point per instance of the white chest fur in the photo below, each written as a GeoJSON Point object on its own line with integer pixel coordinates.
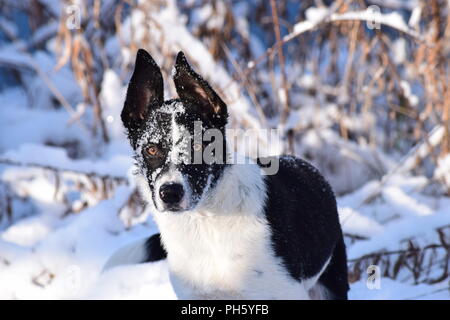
{"type": "Point", "coordinates": [225, 258]}
{"type": "Point", "coordinates": [223, 249]}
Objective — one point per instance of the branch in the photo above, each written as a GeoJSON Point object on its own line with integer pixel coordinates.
{"type": "Point", "coordinates": [393, 20]}
{"type": "Point", "coordinates": [284, 97]}
{"type": "Point", "coordinates": [408, 162]}
{"type": "Point", "coordinates": [330, 17]}
{"type": "Point", "coordinates": [405, 251]}
{"type": "Point", "coordinates": [118, 179]}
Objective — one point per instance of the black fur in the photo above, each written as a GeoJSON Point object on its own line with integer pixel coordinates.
{"type": "Point", "coordinates": [335, 275]}
{"type": "Point", "coordinates": [302, 214]}
{"type": "Point", "coordinates": [193, 89]}
{"type": "Point", "coordinates": [145, 91]}
{"type": "Point", "coordinates": [155, 249]}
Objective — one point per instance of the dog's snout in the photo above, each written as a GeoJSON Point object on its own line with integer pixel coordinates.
{"type": "Point", "coordinates": [171, 193]}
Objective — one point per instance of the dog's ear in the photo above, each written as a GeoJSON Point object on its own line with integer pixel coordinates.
{"type": "Point", "coordinates": [193, 89]}
{"type": "Point", "coordinates": [145, 91]}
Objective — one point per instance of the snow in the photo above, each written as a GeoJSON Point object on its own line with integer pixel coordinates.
{"type": "Point", "coordinates": [9, 28]}
{"type": "Point", "coordinates": [397, 291]}
{"type": "Point", "coordinates": [112, 97]}
{"type": "Point", "coordinates": [145, 281]}
{"type": "Point", "coordinates": [57, 157]}
{"type": "Point", "coordinates": [50, 252]}
{"type": "Point", "coordinates": [399, 49]}
{"type": "Point", "coordinates": [315, 15]}
{"type": "Point", "coordinates": [415, 17]}
{"type": "Point", "coordinates": [395, 232]}
{"type": "Point", "coordinates": [374, 19]}
{"type": "Point", "coordinates": [358, 224]}
{"type": "Point", "coordinates": [412, 98]}
{"type": "Point", "coordinates": [393, 19]}
{"type": "Point", "coordinates": [81, 244]}
{"type": "Point", "coordinates": [16, 121]}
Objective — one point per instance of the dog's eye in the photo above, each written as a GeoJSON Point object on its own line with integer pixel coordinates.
{"type": "Point", "coordinates": [197, 146]}
{"type": "Point", "coordinates": [152, 150]}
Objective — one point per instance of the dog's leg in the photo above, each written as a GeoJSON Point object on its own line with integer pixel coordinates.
{"type": "Point", "coordinates": [144, 250]}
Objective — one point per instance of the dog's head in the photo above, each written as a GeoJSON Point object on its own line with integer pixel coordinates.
{"type": "Point", "coordinates": [179, 144]}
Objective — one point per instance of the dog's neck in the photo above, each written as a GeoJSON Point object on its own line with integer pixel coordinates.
{"type": "Point", "coordinates": [227, 223]}
{"type": "Point", "coordinates": [240, 190]}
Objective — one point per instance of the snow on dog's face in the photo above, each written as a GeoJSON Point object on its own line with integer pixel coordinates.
{"type": "Point", "coordinates": [179, 144]}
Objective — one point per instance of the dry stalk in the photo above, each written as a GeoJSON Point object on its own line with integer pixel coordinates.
{"type": "Point", "coordinates": [279, 45]}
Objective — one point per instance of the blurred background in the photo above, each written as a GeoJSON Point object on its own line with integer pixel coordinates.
{"type": "Point", "coordinates": [359, 88]}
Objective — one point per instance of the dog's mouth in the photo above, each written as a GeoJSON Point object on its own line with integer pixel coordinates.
{"type": "Point", "coordinates": [174, 209]}
{"type": "Point", "coordinates": [182, 206]}
{"type": "Point", "coordinates": [178, 208]}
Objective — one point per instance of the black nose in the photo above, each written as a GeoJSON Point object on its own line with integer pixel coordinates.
{"type": "Point", "coordinates": [171, 193]}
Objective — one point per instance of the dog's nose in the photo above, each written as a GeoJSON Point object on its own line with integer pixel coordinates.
{"type": "Point", "coordinates": [171, 193]}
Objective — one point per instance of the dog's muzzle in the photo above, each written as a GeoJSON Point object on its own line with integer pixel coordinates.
{"type": "Point", "coordinates": [171, 195]}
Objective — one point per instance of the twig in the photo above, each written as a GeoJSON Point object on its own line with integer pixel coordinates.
{"type": "Point", "coordinates": [408, 162]}
{"type": "Point", "coordinates": [247, 85]}
{"type": "Point", "coordinates": [421, 263]}
{"type": "Point", "coordinates": [429, 293]}
{"type": "Point", "coordinates": [389, 253]}
{"type": "Point", "coordinates": [330, 17]}
{"type": "Point", "coordinates": [285, 99]}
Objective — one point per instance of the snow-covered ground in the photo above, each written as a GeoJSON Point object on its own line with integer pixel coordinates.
{"type": "Point", "coordinates": [46, 256]}
{"type": "Point", "coordinates": [67, 199]}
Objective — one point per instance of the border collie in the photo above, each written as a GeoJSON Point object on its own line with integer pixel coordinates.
{"type": "Point", "coordinates": [228, 231]}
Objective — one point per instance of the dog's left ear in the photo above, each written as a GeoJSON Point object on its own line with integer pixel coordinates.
{"type": "Point", "coordinates": [193, 89]}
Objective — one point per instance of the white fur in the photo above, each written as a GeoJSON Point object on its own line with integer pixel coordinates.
{"type": "Point", "coordinates": [131, 253]}
{"type": "Point", "coordinates": [178, 154]}
{"type": "Point", "coordinates": [319, 292]}
{"type": "Point", "coordinates": [222, 250]}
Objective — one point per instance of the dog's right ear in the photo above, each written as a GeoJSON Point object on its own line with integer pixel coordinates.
{"type": "Point", "coordinates": [145, 90]}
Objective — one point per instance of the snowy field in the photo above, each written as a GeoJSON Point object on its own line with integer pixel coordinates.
{"type": "Point", "coordinates": [67, 194]}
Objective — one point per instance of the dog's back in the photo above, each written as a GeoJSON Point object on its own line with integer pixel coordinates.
{"type": "Point", "coordinates": [302, 214]}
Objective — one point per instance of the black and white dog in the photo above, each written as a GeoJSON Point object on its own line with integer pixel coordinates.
{"type": "Point", "coordinates": [227, 230]}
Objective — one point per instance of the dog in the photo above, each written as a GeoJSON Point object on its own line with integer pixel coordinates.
{"type": "Point", "coordinates": [228, 231]}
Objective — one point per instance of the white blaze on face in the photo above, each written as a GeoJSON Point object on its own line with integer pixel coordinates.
{"type": "Point", "coordinates": [177, 155]}
{"type": "Point", "coordinates": [179, 152]}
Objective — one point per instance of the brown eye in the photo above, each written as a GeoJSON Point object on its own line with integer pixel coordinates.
{"type": "Point", "coordinates": [153, 150]}
{"type": "Point", "coordinates": [197, 146]}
